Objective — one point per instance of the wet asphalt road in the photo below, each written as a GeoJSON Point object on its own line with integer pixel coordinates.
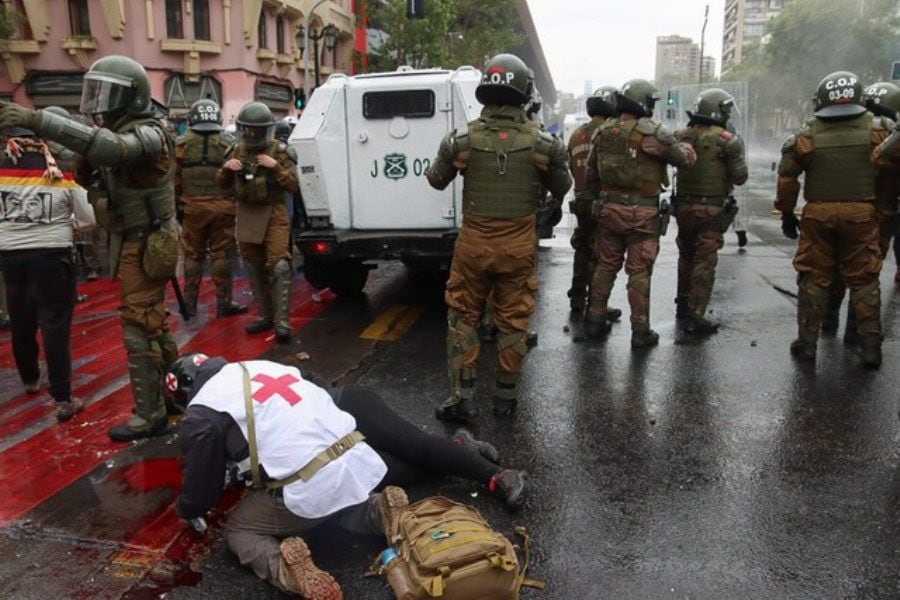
{"type": "Point", "coordinates": [691, 470]}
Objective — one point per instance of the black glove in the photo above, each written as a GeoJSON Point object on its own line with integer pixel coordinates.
{"type": "Point", "coordinates": [789, 225]}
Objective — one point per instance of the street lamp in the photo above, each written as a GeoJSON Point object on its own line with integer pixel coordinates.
{"type": "Point", "coordinates": [305, 30]}
{"type": "Point", "coordinates": [329, 34]}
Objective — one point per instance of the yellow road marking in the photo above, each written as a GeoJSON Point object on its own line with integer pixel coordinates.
{"type": "Point", "coordinates": [393, 323]}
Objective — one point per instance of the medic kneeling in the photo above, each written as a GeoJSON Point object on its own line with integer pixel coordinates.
{"type": "Point", "coordinates": [311, 458]}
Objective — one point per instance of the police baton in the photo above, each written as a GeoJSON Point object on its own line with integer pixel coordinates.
{"type": "Point", "coordinates": [182, 305]}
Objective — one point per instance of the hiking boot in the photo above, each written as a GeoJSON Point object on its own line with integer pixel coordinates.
{"type": "Point", "coordinates": [282, 334]}
{"type": "Point", "coordinates": [67, 410]}
{"type": "Point", "coordinates": [701, 326]}
{"type": "Point", "coordinates": [229, 310]}
{"type": "Point", "coordinates": [742, 238]}
{"type": "Point", "coordinates": [870, 351]}
{"type": "Point", "coordinates": [463, 438]}
{"type": "Point", "coordinates": [644, 338]}
{"type": "Point", "coordinates": [504, 407]}
{"type": "Point", "coordinates": [393, 498]}
{"type": "Point", "coordinates": [455, 410]}
{"type": "Point", "coordinates": [804, 349]}
{"type": "Point", "coordinates": [260, 325]}
{"type": "Point", "coordinates": [613, 314]}
{"type": "Point", "coordinates": [510, 485]}
{"type": "Point", "coordinates": [597, 330]}
{"type": "Point", "coordinates": [311, 582]}
{"type": "Point", "coordinates": [123, 433]}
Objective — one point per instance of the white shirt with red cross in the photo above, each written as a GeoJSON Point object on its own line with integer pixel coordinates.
{"type": "Point", "coordinates": [296, 420]}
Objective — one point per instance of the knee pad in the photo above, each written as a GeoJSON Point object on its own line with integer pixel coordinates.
{"type": "Point", "coordinates": [517, 341]}
{"type": "Point", "coordinates": [281, 268]}
{"type": "Point", "coordinates": [640, 282]}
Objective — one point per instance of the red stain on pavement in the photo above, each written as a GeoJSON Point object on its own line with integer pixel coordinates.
{"type": "Point", "coordinates": [153, 474]}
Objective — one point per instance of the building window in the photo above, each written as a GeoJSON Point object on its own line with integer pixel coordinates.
{"type": "Point", "coordinates": [180, 94]}
{"type": "Point", "coordinates": [174, 19]}
{"type": "Point", "coordinates": [79, 18]}
{"type": "Point", "coordinates": [262, 31]}
{"type": "Point", "coordinates": [279, 34]}
{"type": "Point", "coordinates": [201, 20]}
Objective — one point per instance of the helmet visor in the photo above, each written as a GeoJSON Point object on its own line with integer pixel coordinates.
{"type": "Point", "coordinates": [255, 136]}
{"type": "Point", "coordinates": [105, 94]}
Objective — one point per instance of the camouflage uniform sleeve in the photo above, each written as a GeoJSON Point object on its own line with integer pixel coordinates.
{"type": "Point", "coordinates": [444, 168]}
{"type": "Point", "coordinates": [286, 171]}
{"type": "Point", "coordinates": [735, 163]}
{"type": "Point", "coordinates": [887, 153]}
{"type": "Point", "coordinates": [225, 176]}
{"type": "Point", "coordinates": [554, 172]}
{"type": "Point", "coordinates": [659, 142]}
{"type": "Point", "coordinates": [591, 174]}
{"type": "Point", "coordinates": [789, 170]}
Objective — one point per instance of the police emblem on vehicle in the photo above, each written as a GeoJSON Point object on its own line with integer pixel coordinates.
{"type": "Point", "coordinates": [395, 166]}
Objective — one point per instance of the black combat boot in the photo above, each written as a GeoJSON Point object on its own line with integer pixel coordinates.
{"type": "Point", "coordinates": [644, 338]}
{"type": "Point", "coordinates": [123, 433]}
{"type": "Point", "coordinates": [804, 349]}
{"type": "Point", "coordinates": [597, 330]}
{"type": "Point", "coordinates": [229, 310]}
{"type": "Point", "coordinates": [456, 410]}
{"type": "Point", "coordinates": [282, 334]}
{"type": "Point", "coordinates": [260, 325]}
{"type": "Point", "coordinates": [870, 351]}
{"type": "Point", "coordinates": [577, 300]}
{"type": "Point", "coordinates": [505, 401]}
{"type": "Point", "coordinates": [613, 314]}
{"type": "Point", "coordinates": [510, 485]}
{"type": "Point", "coordinates": [701, 326]}
{"type": "Point", "coordinates": [463, 438]}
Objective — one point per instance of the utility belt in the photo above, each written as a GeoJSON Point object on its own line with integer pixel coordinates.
{"type": "Point", "coordinates": [319, 461]}
{"type": "Point", "coordinates": [717, 201]}
{"type": "Point", "coordinates": [628, 199]}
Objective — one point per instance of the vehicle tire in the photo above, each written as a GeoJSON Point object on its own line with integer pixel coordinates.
{"type": "Point", "coordinates": [316, 271]}
{"type": "Point", "coordinates": [348, 278]}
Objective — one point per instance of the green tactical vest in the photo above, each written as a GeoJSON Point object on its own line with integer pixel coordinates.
{"type": "Point", "coordinates": [203, 156]}
{"type": "Point", "coordinates": [620, 160]}
{"type": "Point", "coordinates": [133, 188]}
{"type": "Point", "coordinates": [580, 148]}
{"type": "Point", "coordinates": [261, 188]}
{"type": "Point", "coordinates": [839, 168]}
{"type": "Point", "coordinates": [501, 181]}
{"type": "Point", "coordinates": [709, 176]}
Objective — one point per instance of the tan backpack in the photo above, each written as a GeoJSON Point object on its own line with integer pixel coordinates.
{"type": "Point", "coordinates": [447, 550]}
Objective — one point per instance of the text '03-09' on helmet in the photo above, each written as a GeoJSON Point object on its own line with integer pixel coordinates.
{"type": "Point", "coordinates": [602, 103]}
{"type": "Point", "coordinates": [255, 126]}
{"type": "Point", "coordinates": [637, 97]}
{"type": "Point", "coordinates": [839, 96]}
{"type": "Point", "coordinates": [115, 85]}
{"type": "Point", "coordinates": [506, 81]}
{"type": "Point", "coordinates": [205, 115]}
{"type": "Point", "coordinates": [712, 107]}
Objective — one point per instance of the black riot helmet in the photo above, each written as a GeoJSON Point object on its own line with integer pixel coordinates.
{"type": "Point", "coordinates": [712, 107]}
{"type": "Point", "coordinates": [507, 81]}
{"type": "Point", "coordinates": [179, 381]}
{"type": "Point", "coordinates": [637, 97]}
{"type": "Point", "coordinates": [205, 116]}
{"type": "Point", "coordinates": [602, 103]}
{"type": "Point", "coordinates": [839, 96]}
{"type": "Point", "coordinates": [255, 126]}
{"type": "Point", "coordinates": [883, 99]}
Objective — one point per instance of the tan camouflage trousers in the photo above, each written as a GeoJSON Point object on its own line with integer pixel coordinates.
{"type": "Point", "coordinates": [208, 234]}
{"type": "Point", "coordinates": [629, 236]}
{"type": "Point", "coordinates": [492, 258]}
{"type": "Point", "coordinates": [838, 240]}
{"type": "Point", "coordinates": [699, 241]}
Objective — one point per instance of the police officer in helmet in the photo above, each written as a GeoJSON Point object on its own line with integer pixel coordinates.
{"type": "Point", "coordinates": [134, 156]}
{"type": "Point", "coordinates": [209, 211]}
{"type": "Point", "coordinates": [838, 232]}
{"type": "Point", "coordinates": [506, 162]}
{"type": "Point", "coordinates": [704, 205]}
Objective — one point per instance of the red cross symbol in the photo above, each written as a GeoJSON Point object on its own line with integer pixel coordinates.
{"type": "Point", "coordinates": [171, 382]}
{"type": "Point", "coordinates": [276, 385]}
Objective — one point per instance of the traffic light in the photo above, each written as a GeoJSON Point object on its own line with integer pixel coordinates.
{"type": "Point", "coordinates": [299, 99]}
{"type": "Point", "coordinates": [415, 9]}
{"type": "Point", "coordinates": [672, 98]}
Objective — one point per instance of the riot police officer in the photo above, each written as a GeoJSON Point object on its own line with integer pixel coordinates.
{"type": "Point", "coordinates": [506, 162]}
{"type": "Point", "coordinates": [601, 105]}
{"type": "Point", "coordinates": [134, 156]}
{"type": "Point", "coordinates": [628, 161]}
{"type": "Point", "coordinates": [704, 207]}
{"type": "Point", "coordinates": [838, 232]}
{"type": "Point", "coordinates": [260, 169]}
{"type": "Point", "coordinates": [208, 222]}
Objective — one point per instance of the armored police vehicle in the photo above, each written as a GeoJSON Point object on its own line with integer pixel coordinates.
{"type": "Point", "coordinates": [364, 144]}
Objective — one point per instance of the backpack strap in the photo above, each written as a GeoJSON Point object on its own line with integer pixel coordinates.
{"type": "Point", "coordinates": [526, 549]}
{"type": "Point", "coordinates": [251, 429]}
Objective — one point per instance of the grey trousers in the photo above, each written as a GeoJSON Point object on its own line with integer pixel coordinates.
{"type": "Point", "coordinates": [255, 529]}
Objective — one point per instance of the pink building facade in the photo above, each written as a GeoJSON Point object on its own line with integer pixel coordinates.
{"type": "Point", "coordinates": [232, 51]}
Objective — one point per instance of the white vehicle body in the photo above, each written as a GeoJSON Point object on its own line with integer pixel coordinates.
{"type": "Point", "coordinates": [364, 144]}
